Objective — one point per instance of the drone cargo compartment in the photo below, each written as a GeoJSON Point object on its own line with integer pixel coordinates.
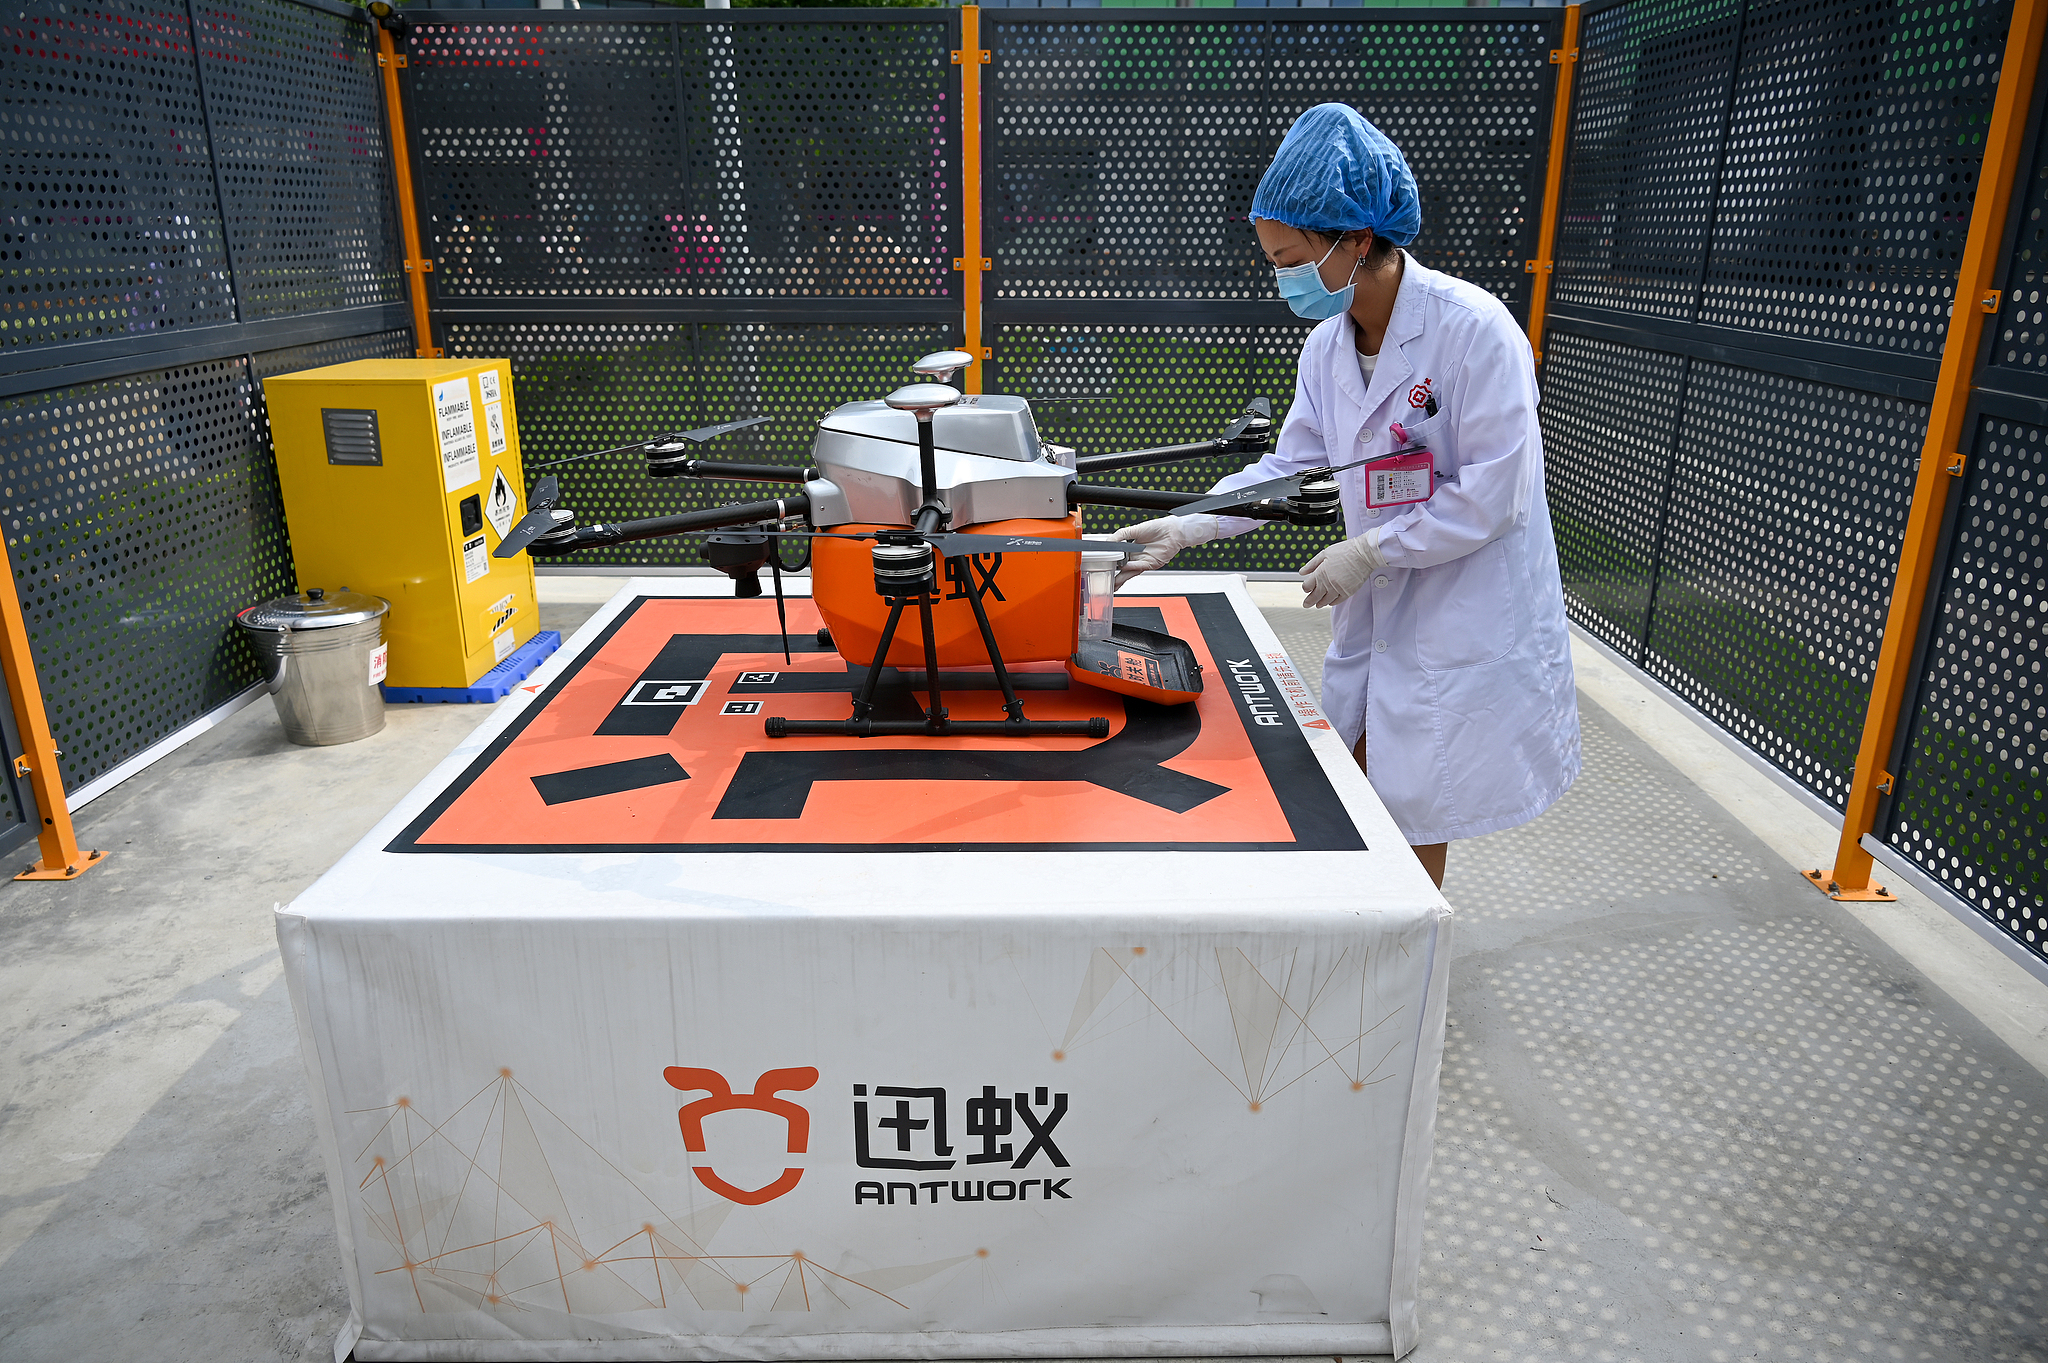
{"type": "Point", "coordinates": [1029, 598]}
{"type": "Point", "coordinates": [399, 478]}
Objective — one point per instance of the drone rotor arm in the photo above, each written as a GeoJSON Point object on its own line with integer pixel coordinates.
{"type": "Point", "coordinates": [660, 527]}
{"type": "Point", "coordinates": [1163, 454]}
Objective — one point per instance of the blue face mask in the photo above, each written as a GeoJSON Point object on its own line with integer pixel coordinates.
{"type": "Point", "coordinates": [1303, 288]}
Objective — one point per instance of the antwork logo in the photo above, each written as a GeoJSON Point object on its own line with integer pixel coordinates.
{"type": "Point", "coordinates": [762, 1099]}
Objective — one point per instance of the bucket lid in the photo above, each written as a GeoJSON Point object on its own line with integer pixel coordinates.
{"type": "Point", "coordinates": [314, 608]}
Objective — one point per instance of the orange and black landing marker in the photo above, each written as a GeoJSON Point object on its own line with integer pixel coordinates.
{"type": "Point", "coordinates": [651, 740]}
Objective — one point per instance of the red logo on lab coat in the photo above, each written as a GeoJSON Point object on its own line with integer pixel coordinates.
{"type": "Point", "coordinates": [762, 1099]}
{"type": "Point", "coordinates": [1418, 396]}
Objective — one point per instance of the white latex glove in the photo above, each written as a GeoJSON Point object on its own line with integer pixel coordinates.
{"type": "Point", "coordinates": [1342, 569]}
{"type": "Point", "coordinates": [1163, 538]}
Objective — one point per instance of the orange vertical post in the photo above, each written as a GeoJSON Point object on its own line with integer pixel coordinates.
{"type": "Point", "coordinates": [1567, 59]}
{"type": "Point", "coordinates": [416, 263]}
{"type": "Point", "coordinates": [970, 59]}
{"type": "Point", "coordinates": [1941, 459]}
{"type": "Point", "coordinates": [62, 859]}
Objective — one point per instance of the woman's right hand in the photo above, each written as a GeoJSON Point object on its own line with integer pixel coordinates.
{"type": "Point", "coordinates": [1163, 538]}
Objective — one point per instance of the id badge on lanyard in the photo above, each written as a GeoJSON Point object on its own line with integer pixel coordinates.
{"type": "Point", "coordinates": [1400, 478]}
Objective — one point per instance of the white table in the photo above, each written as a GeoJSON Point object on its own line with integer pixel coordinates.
{"type": "Point", "coordinates": [1149, 1069]}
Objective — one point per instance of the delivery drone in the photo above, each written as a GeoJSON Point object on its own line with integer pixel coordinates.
{"type": "Point", "coordinates": [930, 483]}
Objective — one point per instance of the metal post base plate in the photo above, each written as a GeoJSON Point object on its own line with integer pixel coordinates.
{"type": "Point", "coordinates": [1824, 881]}
{"type": "Point", "coordinates": [86, 861]}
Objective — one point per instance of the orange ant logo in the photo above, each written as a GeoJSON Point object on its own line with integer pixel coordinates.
{"type": "Point", "coordinates": [762, 1099]}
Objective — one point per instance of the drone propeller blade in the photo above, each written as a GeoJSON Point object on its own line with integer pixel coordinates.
{"type": "Point", "coordinates": [539, 519]}
{"type": "Point", "coordinates": [704, 433]}
{"type": "Point", "coordinates": [952, 545]}
{"type": "Point", "coordinates": [577, 458]}
{"type": "Point", "coordinates": [1258, 409]}
{"type": "Point", "coordinates": [1239, 499]}
{"type": "Point", "coordinates": [698, 436]}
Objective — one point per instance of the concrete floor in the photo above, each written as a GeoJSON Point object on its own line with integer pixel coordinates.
{"type": "Point", "coordinates": [1691, 1110]}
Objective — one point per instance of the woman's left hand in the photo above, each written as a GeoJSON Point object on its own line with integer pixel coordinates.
{"type": "Point", "coordinates": [1341, 569]}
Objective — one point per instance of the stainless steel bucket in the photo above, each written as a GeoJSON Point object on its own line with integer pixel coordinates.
{"type": "Point", "coordinates": [325, 656]}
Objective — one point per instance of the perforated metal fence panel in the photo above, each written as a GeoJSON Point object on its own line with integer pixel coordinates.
{"type": "Point", "coordinates": [1120, 387]}
{"type": "Point", "coordinates": [1610, 421]}
{"type": "Point", "coordinates": [1972, 802]}
{"type": "Point", "coordinates": [1849, 165]}
{"type": "Point", "coordinates": [1790, 169]}
{"type": "Point", "coordinates": [1780, 540]}
{"type": "Point", "coordinates": [1649, 119]}
{"type": "Point", "coordinates": [1129, 299]}
{"type": "Point", "coordinates": [2017, 357]}
{"type": "Point", "coordinates": [666, 219]}
{"type": "Point", "coordinates": [799, 156]}
{"type": "Point", "coordinates": [1764, 209]}
{"type": "Point", "coordinates": [1124, 147]}
{"type": "Point", "coordinates": [590, 386]}
{"type": "Point", "coordinates": [140, 514]}
{"type": "Point", "coordinates": [116, 229]}
{"type": "Point", "coordinates": [199, 196]}
{"type": "Point", "coordinates": [297, 125]}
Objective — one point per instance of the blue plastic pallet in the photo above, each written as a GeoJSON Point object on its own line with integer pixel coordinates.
{"type": "Point", "coordinates": [493, 685]}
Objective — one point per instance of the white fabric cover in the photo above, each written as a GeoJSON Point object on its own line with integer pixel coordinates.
{"type": "Point", "coordinates": [1247, 1046]}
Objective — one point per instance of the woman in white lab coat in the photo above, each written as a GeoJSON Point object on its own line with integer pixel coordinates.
{"type": "Point", "coordinates": [1449, 670]}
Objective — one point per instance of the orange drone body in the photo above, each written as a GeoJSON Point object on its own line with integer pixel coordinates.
{"type": "Point", "coordinates": [1032, 600]}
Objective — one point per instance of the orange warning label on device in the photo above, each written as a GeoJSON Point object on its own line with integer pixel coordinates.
{"type": "Point", "coordinates": [653, 740]}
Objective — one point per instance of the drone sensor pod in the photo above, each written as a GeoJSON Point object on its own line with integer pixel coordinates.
{"type": "Point", "coordinates": [740, 556]}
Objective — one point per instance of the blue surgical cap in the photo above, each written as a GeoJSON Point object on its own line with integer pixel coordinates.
{"type": "Point", "coordinates": [1335, 172]}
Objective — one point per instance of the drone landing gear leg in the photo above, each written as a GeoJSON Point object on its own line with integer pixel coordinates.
{"type": "Point", "coordinates": [1012, 706]}
{"type": "Point", "coordinates": [935, 714]}
{"type": "Point", "coordinates": [936, 723]}
{"type": "Point", "coordinates": [1016, 724]}
{"type": "Point", "coordinates": [859, 725]}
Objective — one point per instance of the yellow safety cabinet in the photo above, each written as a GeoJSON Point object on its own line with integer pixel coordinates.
{"type": "Point", "coordinates": [400, 477]}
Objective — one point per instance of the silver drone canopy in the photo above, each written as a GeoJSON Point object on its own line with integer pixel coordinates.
{"type": "Point", "coordinates": [999, 427]}
{"type": "Point", "coordinates": [991, 464]}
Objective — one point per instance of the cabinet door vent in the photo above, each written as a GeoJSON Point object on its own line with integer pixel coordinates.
{"type": "Point", "coordinates": [352, 435]}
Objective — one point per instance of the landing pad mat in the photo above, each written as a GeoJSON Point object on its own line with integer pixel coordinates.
{"type": "Point", "coordinates": [651, 740]}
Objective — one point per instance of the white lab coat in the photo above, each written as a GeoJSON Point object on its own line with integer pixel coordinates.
{"type": "Point", "coordinates": [1454, 660]}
